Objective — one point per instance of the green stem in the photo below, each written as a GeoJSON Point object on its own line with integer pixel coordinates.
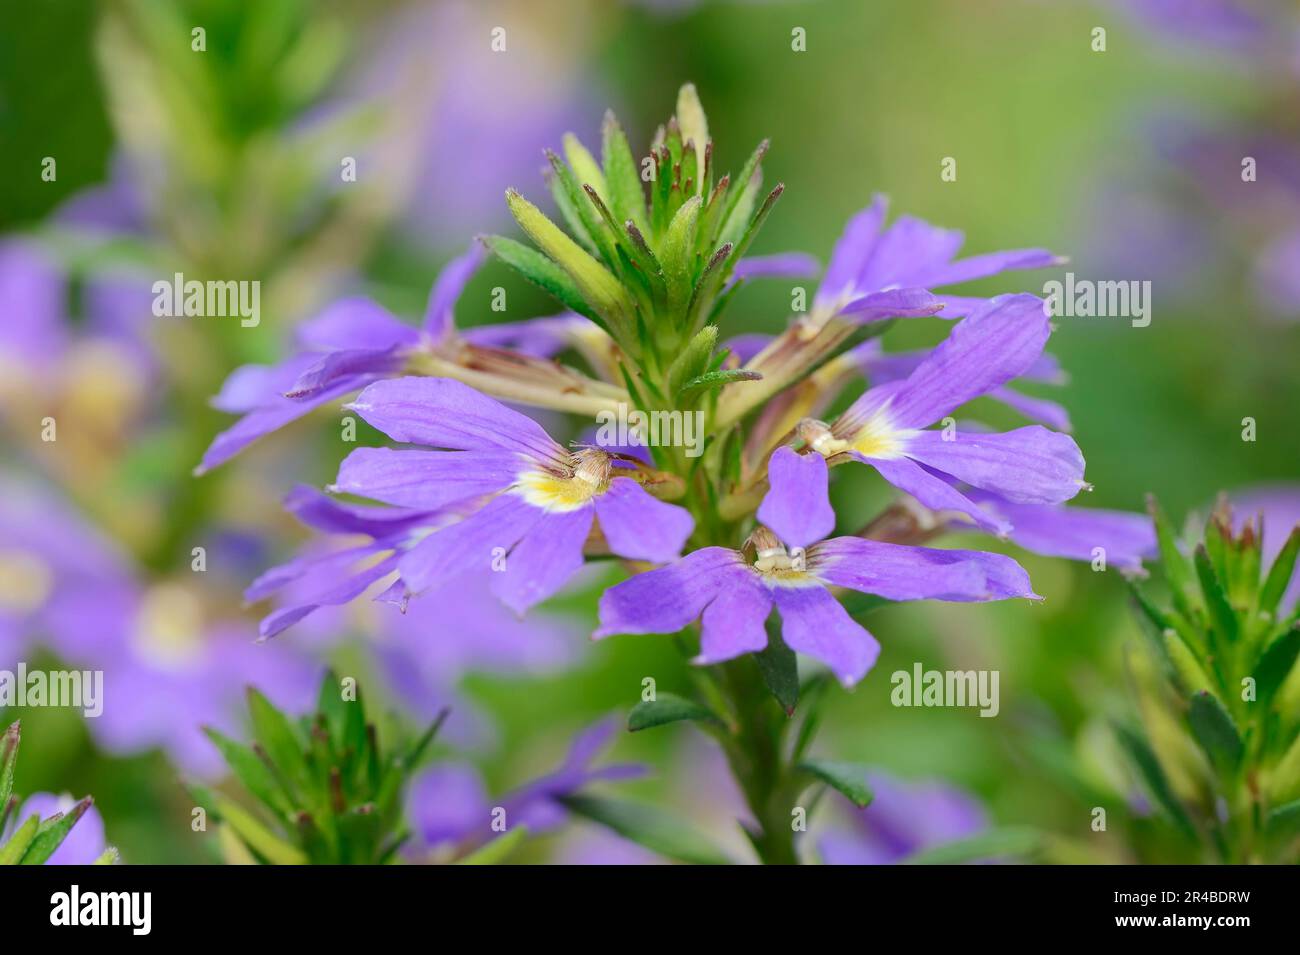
{"type": "Point", "coordinates": [755, 756]}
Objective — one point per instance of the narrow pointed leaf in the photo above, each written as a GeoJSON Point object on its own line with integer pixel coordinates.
{"type": "Point", "coordinates": [668, 708]}
{"type": "Point", "coordinates": [1214, 729]}
{"type": "Point", "coordinates": [849, 779]}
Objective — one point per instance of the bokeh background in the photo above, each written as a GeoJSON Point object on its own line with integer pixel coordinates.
{"type": "Point", "coordinates": [226, 162]}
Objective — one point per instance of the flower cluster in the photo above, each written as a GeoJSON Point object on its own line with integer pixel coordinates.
{"type": "Point", "coordinates": [480, 499]}
{"type": "Point", "coordinates": [488, 494]}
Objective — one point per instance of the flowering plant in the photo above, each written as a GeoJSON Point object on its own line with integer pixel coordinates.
{"type": "Point", "coordinates": [718, 533]}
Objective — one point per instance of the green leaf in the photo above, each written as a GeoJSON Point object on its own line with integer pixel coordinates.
{"type": "Point", "coordinates": [498, 850]}
{"type": "Point", "coordinates": [584, 207]}
{"type": "Point", "coordinates": [1222, 616]}
{"type": "Point", "coordinates": [249, 768]}
{"type": "Point", "coordinates": [585, 168]}
{"type": "Point", "coordinates": [1279, 575]}
{"type": "Point", "coordinates": [713, 380]}
{"type": "Point", "coordinates": [256, 835]}
{"type": "Point", "coordinates": [601, 290]}
{"type": "Point", "coordinates": [1214, 729]}
{"type": "Point", "coordinates": [1177, 570]}
{"type": "Point", "coordinates": [752, 230]}
{"type": "Point", "coordinates": [8, 760]}
{"type": "Point", "coordinates": [1284, 819]}
{"type": "Point", "coordinates": [1011, 842]}
{"type": "Point", "coordinates": [780, 670]}
{"type": "Point", "coordinates": [739, 199]}
{"type": "Point", "coordinates": [52, 832]}
{"type": "Point", "coordinates": [850, 779]}
{"type": "Point", "coordinates": [1276, 662]}
{"type": "Point", "coordinates": [108, 857]}
{"type": "Point", "coordinates": [668, 708]}
{"type": "Point", "coordinates": [622, 177]}
{"type": "Point", "coordinates": [279, 739]}
{"type": "Point", "coordinates": [542, 272]}
{"type": "Point", "coordinates": [1153, 776]}
{"type": "Point", "coordinates": [694, 358]}
{"type": "Point", "coordinates": [694, 125]}
{"type": "Point", "coordinates": [648, 826]}
{"type": "Point", "coordinates": [1190, 673]}
{"type": "Point", "coordinates": [12, 851]}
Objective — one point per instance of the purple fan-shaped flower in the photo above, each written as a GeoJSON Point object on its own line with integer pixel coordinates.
{"type": "Point", "coordinates": [531, 504]}
{"type": "Point", "coordinates": [733, 596]}
{"type": "Point", "coordinates": [883, 272]}
{"type": "Point", "coordinates": [887, 427]}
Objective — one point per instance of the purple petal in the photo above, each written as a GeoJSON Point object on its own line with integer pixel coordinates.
{"type": "Point", "coordinates": [323, 513]}
{"type": "Point", "coordinates": [745, 347]}
{"type": "Point", "coordinates": [443, 413]}
{"type": "Point", "coordinates": [814, 623]}
{"type": "Point", "coordinates": [448, 803]}
{"type": "Point", "coordinates": [895, 303]}
{"type": "Point", "coordinates": [984, 351]}
{"type": "Point", "coordinates": [330, 594]}
{"type": "Point", "coordinates": [797, 507]}
{"type": "Point", "coordinates": [898, 572]}
{"type": "Point", "coordinates": [850, 254]}
{"type": "Point", "coordinates": [934, 492]}
{"type": "Point", "coordinates": [438, 319]}
{"type": "Point", "coordinates": [249, 387]}
{"type": "Point", "coordinates": [991, 263]}
{"type": "Point", "coordinates": [355, 323]}
{"type": "Point", "coordinates": [262, 421]}
{"type": "Point", "coordinates": [424, 479]}
{"type": "Point", "coordinates": [540, 564]}
{"type": "Point", "coordinates": [1030, 465]}
{"type": "Point", "coordinates": [344, 364]}
{"type": "Point", "coordinates": [1073, 532]}
{"type": "Point", "coordinates": [909, 248]}
{"type": "Point", "coordinates": [735, 621]}
{"type": "Point", "coordinates": [542, 337]}
{"type": "Point", "coordinates": [783, 265]}
{"type": "Point", "coordinates": [638, 526]}
{"type": "Point", "coordinates": [667, 599]}
{"type": "Point", "coordinates": [470, 546]}
{"type": "Point", "coordinates": [1050, 413]}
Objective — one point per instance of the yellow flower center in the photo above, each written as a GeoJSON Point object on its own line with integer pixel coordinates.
{"type": "Point", "coordinates": [25, 581]}
{"type": "Point", "coordinates": [168, 627]}
{"type": "Point", "coordinates": [561, 492]}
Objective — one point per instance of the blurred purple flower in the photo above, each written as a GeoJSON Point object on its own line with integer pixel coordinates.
{"type": "Point", "coordinates": [903, 819]}
{"type": "Point", "coordinates": [449, 806]}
